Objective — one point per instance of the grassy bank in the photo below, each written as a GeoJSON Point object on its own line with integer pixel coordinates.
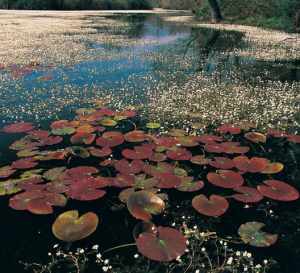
{"type": "Point", "coordinates": [75, 4]}
{"type": "Point", "coordinates": [275, 14]}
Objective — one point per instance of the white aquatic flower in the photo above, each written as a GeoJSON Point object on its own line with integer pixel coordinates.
{"type": "Point", "coordinates": [249, 255]}
{"type": "Point", "coordinates": [238, 253]}
{"type": "Point", "coordinates": [105, 268]}
{"type": "Point", "coordinates": [265, 261]}
{"type": "Point", "coordinates": [55, 246]}
{"type": "Point", "coordinates": [81, 250]}
{"type": "Point", "coordinates": [197, 271]}
{"type": "Point", "coordinates": [136, 256]}
{"type": "Point", "coordinates": [95, 247]}
{"type": "Point", "coordinates": [203, 249]}
{"type": "Point", "coordinates": [106, 261]}
{"type": "Point", "coordinates": [230, 260]}
{"type": "Point", "coordinates": [98, 256]}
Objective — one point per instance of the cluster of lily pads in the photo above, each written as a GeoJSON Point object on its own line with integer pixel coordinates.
{"type": "Point", "coordinates": [145, 165]}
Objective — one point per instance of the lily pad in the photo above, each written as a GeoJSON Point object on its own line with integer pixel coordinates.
{"type": "Point", "coordinates": [247, 195]}
{"type": "Point", "coordinates": [69, 227]}
{"type": "Point", "coordinates": [179, 154]}
{"type": "Point", "coordinates": [110, 139]}
{"type": "Point", "coordinates": [20, 127]}
{"type": "Point", "coordinates": [214, 206]}
{"type": "Point", "coordinates": [189, 185]}
{"type": "Point", "coordinates": [83, 138]}
{"type": "Point", "coordinates": [152, 125]}
{"type": "Point", "coordinates": [278, 190]}
{"type": "Point", "coordinates": [225, 179]}
{"type": "Point", "coordinates": [253, 165]}
{"type": "Point", "coordinates": [223, 163]}
{"type": "Point", "coordinates": [125, 167]}
{"type": "Point", "coordinates": [273, 168]}
{"type": "Point", "coordinates": [6, 171]}
{"type": "Point", "coordinates": [256, 137]}
{"type": "Point", "coordinates": [24, 163]}
{"type": "Point", "coordinates": [165, 245]}
{"type": "Point", "coordinates": [142, 204]}
{"type": "Point", "coordinates": [251, 233]}
{"type": "Point", "coordinates": [63, 131]}
{"type": "Point", "coordinates": [135, 136]}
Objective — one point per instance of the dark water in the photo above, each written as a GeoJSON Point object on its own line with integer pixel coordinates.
{"type": "Point", "coordinates": [28, 237]}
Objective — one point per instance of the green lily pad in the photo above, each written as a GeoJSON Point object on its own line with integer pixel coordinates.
{"type": "Point", "coordinates": [252, 234]}
{"type": "Point", "coordinates": [153, 125]}
{"type": "Point", "coordinates": [63, 131]}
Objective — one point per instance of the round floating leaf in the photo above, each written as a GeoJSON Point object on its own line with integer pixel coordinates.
{"type": "Point", "coordinates": [187, 141]}
{"type": "Point", "coordinates": [225, 179]}
{"type": "Point", "coordinates": [108, 122]}
{"type": "Point", "coordinates": [87, 189]}
{"type": "Point", "coordinates": [229, 128]}
{"type": "Point", "coordinates": [142, 227]}
{"type": "Point", "coordinates": [161, 167]}
{"type": "Point", "coordinates": [200, 160]}
{"type": "Point", "coordinates": [214, 206]}
{"type": "Point", "coordinates": [189, 185]}
{"type": "Point", "coordinates": [110, 139]}
{"type": "Point", "coordinates": [223, 163]}
{"type": "Point", "coordinates": [252, 234]}
{"type": "Point", "coordinates": [273, 168]}
{"type": "Point", "coordinates": [209, 139]}
{"type": "Point", "coordinates": [158, 157]}
{"type": "Point", "coordinates": [278, 190]}
{"type": "Point", "coordinates": [294, 138]}
{"type": "Point", "coordinates": [85, 129]}
{"type": "Point", "coordinates": [139, 152]}
{"type": "Point", "coordinates": [247, 195]}
{"type": "Point", "coordinates": [78, 151]}
{"type": "Point", "coordinates": [24, 163]}
{"type": "Point", "coordinates": [256, 137]}
{"type": "Point", "coordinates": [141, 182]}
{"type": "Point", "coordinates": [6, 171]}
{"type": "Point", "coordinates": [105, 151]}
{"type": "Point", "coordinates": [152, 125]}
{"type": "Point", "coordinates": [253, 165]}
{"type": "Point", "coordinates": [63, 131]}
{"type": "Point", "coordinates": [276, 133]}
{"type": "Point", "coordinates": [20, 127]}
{"type": "Point", "coordinates": [83, 138]}
{"type": "Point", "coordinates": [124, 167]}
{"type": "Point", "coordinates": [167, 180]}
{"type": "Point", "coordinates": [135, 136]}
{"type": "Point", "coordinates": [142, 204]}
{"type": "Point", "coordinates": [165, 245]}
{"type": "Point", "coordinates": [27, 153]}
{"type": "Point", "coordinates": [179, 154]}
{"type": "Point", "coordinates": [177, 132]}
{"type": "Point", "coordinates": [69, 227]}
{"type": "Point", "coordinates": [38, 134]}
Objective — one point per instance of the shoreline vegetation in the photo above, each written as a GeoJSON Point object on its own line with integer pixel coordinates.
{"type": "Point", "coordinates": [281, 15]}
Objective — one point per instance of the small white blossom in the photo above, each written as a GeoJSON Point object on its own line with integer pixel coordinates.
{"type": "Point", "coordinates": [95, 247]}
{"type": "Point", "coordinates": [229, 261]}
{"type": "Point", "coordinates": [136, 256]}
{"type": "Point", "coordinates": [105, 268]}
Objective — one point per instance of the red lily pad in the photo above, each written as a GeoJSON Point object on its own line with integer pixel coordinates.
{"type": "Point", "coordinates": [278, 190]}
{"type": "Point", "coordinates": [139, 152]}
{"type": "Point", "coordinates": [37, 201]}
{"type": "Point", "coordinates": [6, 171]}
{"type": "Point", "coordinates": [253, 165]}
{"type": "Point", "coordinates": [229, 128]}
{"type": "Point", "coordinates": [123, 181]}
{"type": "Point", "coordinates": [141, 182]}
{"type": "Point", "coordinates": [105, 151]}
{"type": "Point", "coordinates": [83, 138]}
{"type": "Point", "coordinates": [189, 185]}
{"type": "Point", "coordinates": [24, 163]}
{"type": "Point", "coordinates": [273, 168]}
{"type": "Point", "coordinates": [127, 113]}
{"type": "Point", "coordinates": [79, 172]}
{"type": "Point", "coordinates": [247, 195]}
{"type": "Point", "coordinates": [225, 179]}
{"type": "Point", "coordinates": [135, 136]}
{"type": "Point", "coordinates": [188, 141]}
{"type": "Point", "coordinates": [165, 245]}
{"type": "Point", "coordinates": [158, 157]}
{"type": "Point", "coordinates": [179, 154]}
{"type": "Point", "coordinates": [214, 206]}
{"type": "Point", "coordinates": [85, 128]}
{"type": "Point", "coordinates": [69, 227]}
{"type": "Point", "coordinates": [256, 137]}
{"type": "Point", "coordinates": [234, 148]}
{"type": "Point", "coordinates": [167, 180]}
{"type": "Point", "coordinates": [165, 141]}
{"type": "Point", "coordinates": [142, 204]}
{"type": "Point", "coordinates": [209, 139]}
{"type": "Point", "coordinates": [38, 134]}
{"type": "Point", "coordinates": [223, 163]}
{"type": "Point", "coordinates": [125, 167]}
{"type": "Point", "coordinates": [294, 138]}
{"type": "Point", "coordinates": [110, 139]}
{"type": "Point", "coordinates": [87, 189]}
{"type": "Point", "coordinates": [51, 140]}
{"type": "Point", "coordinates": [20, 127]}
{"type": "Point", "coordinates": [276, 133]}
{"type": "Point", "coordinates": [200, 160]}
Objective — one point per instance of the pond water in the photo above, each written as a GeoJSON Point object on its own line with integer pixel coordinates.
{"type": "Point", "coordinates": [178, 75]}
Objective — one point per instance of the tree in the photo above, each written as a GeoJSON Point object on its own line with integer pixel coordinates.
{"type": "Point", "coordinates": [216, 14]}
{"type": "Point", "coordinates": [214, 6]}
